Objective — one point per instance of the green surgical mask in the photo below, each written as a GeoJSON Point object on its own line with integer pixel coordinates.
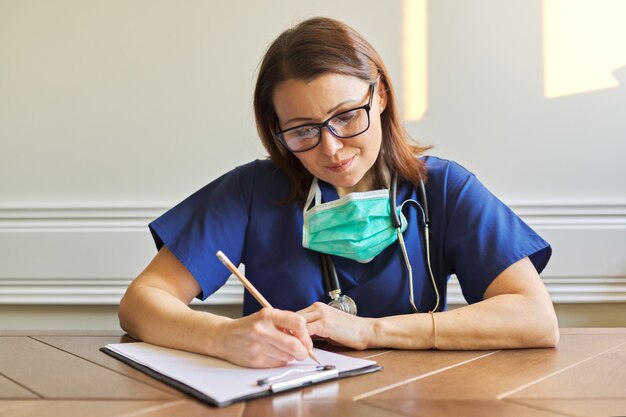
{"type": "Point", "coordinates": [357, 226]}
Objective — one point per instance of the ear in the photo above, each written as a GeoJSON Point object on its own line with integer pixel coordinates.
{"type": "Point", "coordinates": [381, 90]}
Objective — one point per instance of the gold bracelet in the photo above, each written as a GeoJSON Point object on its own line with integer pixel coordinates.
{"type": "Point", "coordinates": [432, 316]}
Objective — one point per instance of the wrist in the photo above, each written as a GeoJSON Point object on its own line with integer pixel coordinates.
{"type": "Point", "coordinates": [434, 332]}
{"type": "Point", "coordinates": [373, 334]}
{"type": "Point", "coordinates": [216, 329]}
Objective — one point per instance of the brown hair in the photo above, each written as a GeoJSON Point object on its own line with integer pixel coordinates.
{"type": "Point", "coordinates": [310, 49]}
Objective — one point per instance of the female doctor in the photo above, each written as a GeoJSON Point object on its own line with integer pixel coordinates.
{"type": "Point", "coordinates": [345, 210]}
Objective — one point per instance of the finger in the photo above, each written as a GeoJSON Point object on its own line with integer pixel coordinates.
{"type": "Point", "coordinates": [295, 324]}
{"type": "Point", "coordinates": [316, 306]}
{"type": "Point", "coordinates": [317, 328]}
{"type": "Point", "coordinates": [314, 312]}
{"type": "Point", "coordinates": [277, 343]}
{"type": "Point", "coordinates": [306, 310]}
{"type": "Point", "coordinates": [286, 332]}
{"type": "Point", "coordinates": [290, 347]}
{"type": "Point", "coordinates": [275, 355]}
{"type": "Point", "coordinates": [269, 358]}
{"type": "Point", "coordinates": [251, 343]}
{"type": "Point", "coordinates": [329, 322]}
{"type": "Point", "coordinates": [289, 320]}
{"type": "Point", "coordinates": [274, 343]}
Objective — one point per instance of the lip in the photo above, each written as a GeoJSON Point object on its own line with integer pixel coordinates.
{"type": "Point", "coordinates": [342, 165]}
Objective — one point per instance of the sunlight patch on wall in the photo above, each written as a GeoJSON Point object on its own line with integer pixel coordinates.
{"type": "Point", "coordinates": [414, 59]}
{"type": "Point", "coordinates": [584, 42]}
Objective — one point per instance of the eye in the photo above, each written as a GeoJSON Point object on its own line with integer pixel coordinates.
{"type": "Point", "coordinates": [304, 132]}
{"type": "Point", "coordinates": [345, 118]}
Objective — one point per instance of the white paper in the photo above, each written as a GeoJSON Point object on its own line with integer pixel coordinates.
{"type": "Point", "coordinates": [217, 378]}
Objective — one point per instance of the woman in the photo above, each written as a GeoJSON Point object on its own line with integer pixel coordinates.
{"type": "Point", "coordinates": [326, 113]}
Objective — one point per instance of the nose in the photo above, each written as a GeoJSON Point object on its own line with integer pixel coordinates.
{"type": "Point", "coordinates": [329, 143]}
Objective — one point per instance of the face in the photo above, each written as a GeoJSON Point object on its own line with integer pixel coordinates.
{"type": "Point", "coordinates": [344, 163]}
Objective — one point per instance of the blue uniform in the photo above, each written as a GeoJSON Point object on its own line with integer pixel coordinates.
{"type": "Point", "coordinates": [472, 234]}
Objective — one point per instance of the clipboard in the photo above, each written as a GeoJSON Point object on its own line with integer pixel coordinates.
{"type": "Point", "coordinates": [219, 383]}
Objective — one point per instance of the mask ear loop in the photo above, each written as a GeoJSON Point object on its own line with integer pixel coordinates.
{"type": "Point", "coordinates": [395, 219]}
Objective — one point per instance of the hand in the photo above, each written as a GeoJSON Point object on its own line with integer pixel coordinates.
{"type": "Point", "coordinates": [338, 327]}
{"type": "Point", "coordinates": [268, 338]}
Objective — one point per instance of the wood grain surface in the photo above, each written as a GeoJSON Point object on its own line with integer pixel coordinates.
{"type": "Point", "coordinates": [65, 374]}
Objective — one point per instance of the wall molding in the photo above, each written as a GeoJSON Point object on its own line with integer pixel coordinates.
{"type": "Point", "coordinates": [139, 215]}
{"type": "Point", "coordinates": [90, 291]}
{"type": "Point", "coordinates": [78, 217]}
{"type": "Point", "coordinates": [87, 255]}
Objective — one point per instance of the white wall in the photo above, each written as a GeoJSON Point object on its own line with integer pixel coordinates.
{"type": "Point", "coordinates": [112, 111]}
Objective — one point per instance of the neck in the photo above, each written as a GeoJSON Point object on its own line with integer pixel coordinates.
{"type": "Point", "coordinates": [369, 182]}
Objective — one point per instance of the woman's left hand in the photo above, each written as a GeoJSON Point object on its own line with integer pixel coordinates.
{"type": "Point", "coordinates": [338, 327]}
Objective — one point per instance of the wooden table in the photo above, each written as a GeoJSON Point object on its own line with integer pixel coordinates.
{"type": "Point", "coordinates": [64, 374]}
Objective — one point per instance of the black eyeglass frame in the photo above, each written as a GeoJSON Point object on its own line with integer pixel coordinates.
{"type": "Point", "coordinates": [279, 134]}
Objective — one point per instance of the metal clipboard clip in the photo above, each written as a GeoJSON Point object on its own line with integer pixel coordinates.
{"type": "Point", "coordinates": [305, 377]}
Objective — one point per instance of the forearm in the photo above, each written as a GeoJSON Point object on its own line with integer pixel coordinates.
{"type": "Point", "coordinates": [501, 322]}
{"type": "Point", "coordinates": [155, 316]}
{"type": "Point", "coordinates": [155, 309]}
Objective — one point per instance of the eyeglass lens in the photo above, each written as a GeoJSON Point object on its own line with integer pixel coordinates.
{"type": "Point", "coordinates": [343, 125]}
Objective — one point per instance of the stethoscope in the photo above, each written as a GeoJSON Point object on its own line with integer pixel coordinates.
{"type": "Point", "coordinates": [329, 273]}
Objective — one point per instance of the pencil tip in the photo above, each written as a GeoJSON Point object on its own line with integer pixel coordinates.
{"type": "Point", "coordinates": [313, 356]}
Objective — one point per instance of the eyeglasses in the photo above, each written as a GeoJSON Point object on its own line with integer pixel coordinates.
{"type": "Point", "coordinates": [347, 124]}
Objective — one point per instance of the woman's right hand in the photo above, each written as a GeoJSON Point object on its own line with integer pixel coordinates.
{"type": "Point", "coordinates": [265, 339]}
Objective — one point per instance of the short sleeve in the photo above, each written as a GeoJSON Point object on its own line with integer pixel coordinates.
{"type": "Point", "coordinates": [483, 235]}
{"type": "Point", "coordinates": [212, 219]}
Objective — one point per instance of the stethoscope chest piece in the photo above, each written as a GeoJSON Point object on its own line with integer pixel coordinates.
{"type": "Point", "coordinates": [342, 302]}
{"type": "Point", "coordinates": [331, 283]}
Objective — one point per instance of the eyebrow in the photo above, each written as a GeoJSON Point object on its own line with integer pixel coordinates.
{"type": "Point", "coordinates": [308, 119]}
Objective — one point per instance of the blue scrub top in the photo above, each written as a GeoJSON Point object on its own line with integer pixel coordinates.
{"type": "Point", "coordinates": [472, 234]}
